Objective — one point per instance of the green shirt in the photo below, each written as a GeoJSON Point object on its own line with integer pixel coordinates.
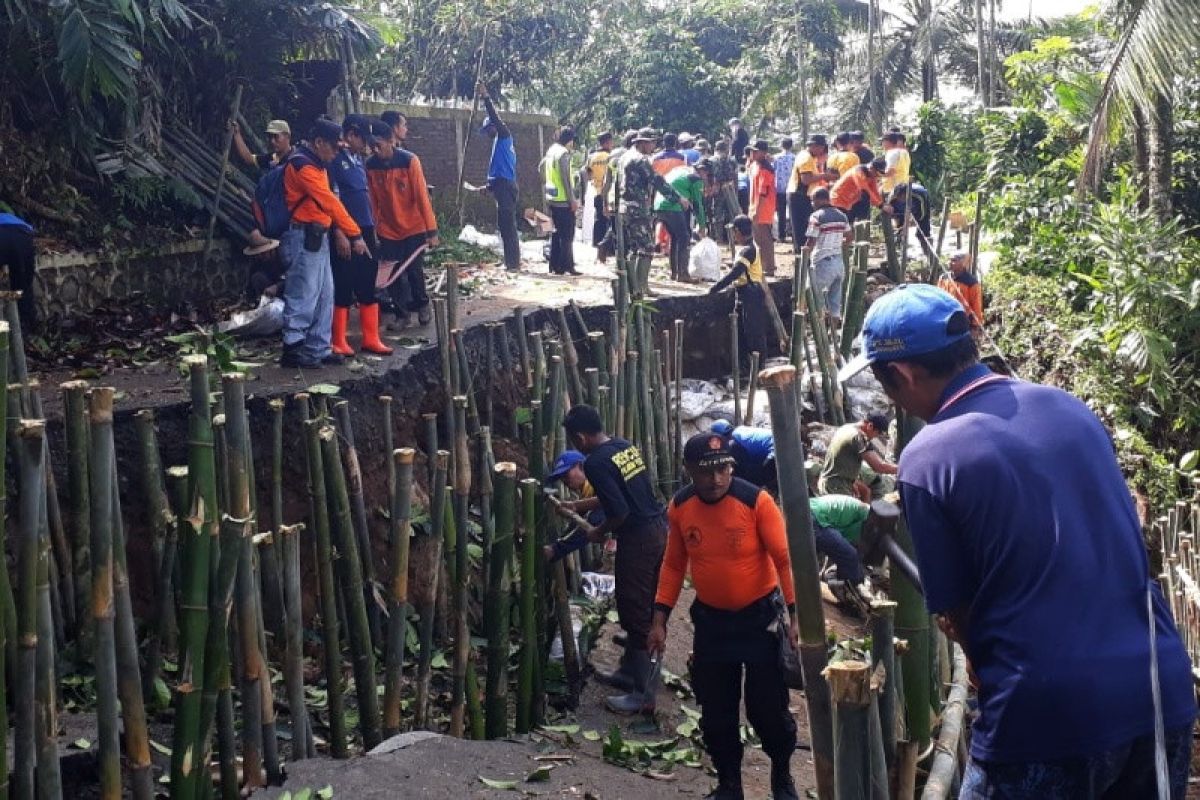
{"type": "Point", "coordinates": [687, 183]}
{"type": "Point", "coordinates": [845, 456]}
{"type": "Point", "coordinates": [841, 512]}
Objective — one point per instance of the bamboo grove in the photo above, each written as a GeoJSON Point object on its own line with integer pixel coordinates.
{"type": "Point", "coordinates": [226, 627]}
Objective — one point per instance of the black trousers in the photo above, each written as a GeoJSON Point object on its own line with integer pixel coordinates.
{"type": "Point", "coordinates": [562, 253]}
{"type": "Point", "coordinates": [408, 291]}
{"type": "Point", "coordinates": [507, 196]}
{"type": "Point", "coordinates": [861, 210]}
{"type": "Point", "coordinates": [781, 215]}
{"type": "Point", "coordinates": [752, 322]}
{"type": "Point", "coordinates": [728, 646]}
{"type": "Point", "coordinates": [354, 277]}
{"type": "Point", "coordinates": [17, 253]}
{"type": "Point", "coordinates": [639, 556]}
{"type": "Point", "coordinates": [601, 223]}
{"type": "Point", "coordinates": [676, 223]}
{"type": "Point", "coordinates": [800, 208]}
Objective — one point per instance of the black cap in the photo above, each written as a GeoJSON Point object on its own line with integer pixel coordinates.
{"type": "Point", "coordinates": [356, 123]}
{"type": "Point", "coordinates": [705, 163]}
{"type": "Point", "coordinates": [707, 450]}
{"type": "Point", "coordinates": [817, 139]}
{"type": "Point", "coordinates": [762, 145]}
{"type": "Point", "coordinates": [381, 130]}
{"type": "Point", "coordinates": [327, 130]}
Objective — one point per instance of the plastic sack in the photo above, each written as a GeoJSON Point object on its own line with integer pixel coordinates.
{"type": "Point", "coordinates": [472, 235]}
{"type": "Point", "coordinates": [704, 263]}
{"type": "Point", "coordinates": [264, 320]}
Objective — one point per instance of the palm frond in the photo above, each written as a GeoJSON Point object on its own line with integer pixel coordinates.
{"type": "Point", "coordinates": [1157, 36]}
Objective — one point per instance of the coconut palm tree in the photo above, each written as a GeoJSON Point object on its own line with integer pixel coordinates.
{"type": "Point", "coordinates": [1157, 37]}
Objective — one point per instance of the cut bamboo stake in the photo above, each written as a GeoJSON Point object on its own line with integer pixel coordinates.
{"type": "Point", "coordinates": [319, 504]}
{"type": "Point", "coordinates": [293, 671]}
{"type": "Point", "coordinates": [570, 358]}
{"type": "Point", "coordinates": [566, 632]}
{"type": "Point", "coordinates": [489, 374]}
{"type": "Point", "coordinates": [523, 345]}
{"type": "Point", "coordinates": [49, 775]}
{"type": "Point", "coordinates": [461, 574]}
{"type": "Point", "coordinates": [7, 666]}
{"type": "Point", "coordinates": [103, 608]}
{"type": "Point", "coordinates": [944, 769]}
{"type": "Point", "coordinates": [677, 373]}
{"type": "Point", "coordinates": [358, 516]}
{"type": "Point", "coordinates": [431, 446]}
{"type": "Point", "coordinates": [783, 395]}
{"type": "Point", "coordinates": [852, 315]}
{"type": "Point", "coordinates": [164, 524]}
{"type": "Point", "coordinates": [129, 682]}
{"type": "Point", "coordinates": [401, 535]}
{"type": "Point", "coordinates": [754, 359]}
{"type": "Point", "coordinates": [437, 516]}
{"type": "Point", "coordinates": [197, 546]}
{"type": "Point", "coordinates": [883, 652]}
{"type": "Point", "coordinates": [351, 579]}
{"type": "Point", "coordinates": [485, 461]}
{"type": "Point", "coordinates": [465, 383]}
{"type": "Point", "coordinates": [912, 620]}
{"type": "Point", "coordinates": [78, 513]}
{"type": "Point", "coordinates": [529, 627]}
{"type": "Point", "coordinates": [496, 609]}
{"type": "Point", "coordinates": [216, 200]}
{"type": "Point", "coordinates": [736, 355]}
{"type": "Point", "coordinates": [850, 688]}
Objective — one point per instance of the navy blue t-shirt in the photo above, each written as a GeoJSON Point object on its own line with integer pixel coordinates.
{"type": "Point", "coordinates": [1020, 515]}
{"type": "Point", "coordinates": [759, 443]}
{"type": "Point", "coordinates": [351, 180]}
{"type": "Point", "coordinates": [618, 473]}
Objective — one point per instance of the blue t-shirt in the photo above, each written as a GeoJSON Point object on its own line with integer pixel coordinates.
{"type": "Point", "coordinates": [350, 178]}
{"type": "Point", "coordinates": [759, 443]}
{"type": "Point", "coordinates": [503, 165]}
{"type": "Point", "coordinates": [691, 156]}
{"type": "Point", "coordinates": [1020, 514]}
{"type": "Point", "coordinates": [13, 221]}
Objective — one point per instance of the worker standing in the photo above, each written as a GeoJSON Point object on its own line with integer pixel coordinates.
{"type": "Point", "coordinates": [559, 191]}
{"type": "Point", "coordinates": [762, 203]}
{"type": "Point", "coordinates": [18, 254]}
{"type": "Point", "coordinates": [689, 183]}
{"type": "Point", "coordinates": [632, 514]}
{"type": "Point", "coordinates": [851, 445]}
{"type": "Point", "coordinates": [502, 180]}
{"type": "Point", "coordinates": [639, 181]}
{"type": "Point", "coordinates": [747, 277]}
{"type": "Point", "coordinates": [729, 535]}
{"type": "Point", "coordinates": [1032, 556]}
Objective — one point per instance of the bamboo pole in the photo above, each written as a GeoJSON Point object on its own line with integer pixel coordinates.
{"type": "Point", "coordinates": [661, 404]}
{"type": "Point", "coordinates": [216, 201]}
{"type": "Point", "coordinates": [570, 357]}
{"type": "Point", "coordinates": [78, 513]}
{"type": "Point", "coordinates": [401, 535]}
{"type": "Point", "coordinates": [677, 372]}
{"type": "Point", "coordinates": [465, 383]}
{"type": "Point", "coordinates": [437, 516]}
{"type": "Point", "coordinates": [944, 769]}
{"type": "Point", "coordinates": [197, 549]}
{"type": "Point", "coordinates": [431, 447]}
{"type": "Point", "coordinates": [889, 242]}
{"type": "Point", "coordinates": [293, 672]}
{"type": "Point", "coordinates": [163, 523]}
{"type": "Point", "coordinates": [485, 461]}
{"type": "Point", "coordinates": [350, 577]}
{"type": "Point", "coordinates": [7, 634]}
{"type": "Point", "coordinates": [529, 591]}
{"type": "Point", "coordinates": [912, 620]}
{"type": "Point", "coordinates": [523, 345]}
{"type": "Point", "coordinates": [358, 515]}
{"type": "Point", "coordinates": [566, 632]}
{"type": "Point", "coordinates": [783, 396]}
{"type": "Point", "coordinates": [103, 609]}
{"type": "Point", "coordinates": [850, 688]}
{"type": "Point", "coordinates": [736, 355]}
{"type": "Point", "coordinates": [754, 359]}
{"type": "Point", "coordinates": [976, 227]}
{"type": "Point", "coordinates": [49, 775]}
{"type": "Point", "coordinates": [489, 374]}
{"type": "Point", "coordinates": [329, 614]}
{"type": "Point", "coordinates": [496, 609]}
{"type": "Point", "coordinates": [883, 652]}
{"type": "Point", "coordinates": [852, 315]}
{"type": "Point", "coordinates": [461, 574]}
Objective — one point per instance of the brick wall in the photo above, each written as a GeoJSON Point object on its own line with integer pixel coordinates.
{"type": "Point", "coordinates": [436, 135]}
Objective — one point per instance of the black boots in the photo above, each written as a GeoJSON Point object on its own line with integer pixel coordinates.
{"type": "Point", "coordinates": [782, 785]}
{"type": "Point", "coordinates": [621, 678]}
{"type": "Point", "coordinates": [729, 785]}
{"type": "Point", "coordinates": [641, 697]}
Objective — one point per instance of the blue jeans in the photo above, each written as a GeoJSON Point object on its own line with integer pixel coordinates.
{"type": "Point", "coordinates": [1124, 773]}
{"type": "Point", "coordinates": [836, 548]}
{"type": "Point", "coordinates": [828, 274]}
{"type": "Point", "coordinates": [307, 296]}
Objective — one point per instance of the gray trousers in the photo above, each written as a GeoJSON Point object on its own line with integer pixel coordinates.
{"type": "Point", "coordinates": [506, 194]}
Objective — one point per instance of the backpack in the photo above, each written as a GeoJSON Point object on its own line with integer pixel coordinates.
{"type": "Point", "coordinates": [270, 201]}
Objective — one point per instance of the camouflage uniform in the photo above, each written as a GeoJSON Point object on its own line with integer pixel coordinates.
{"type": "Point", "coordinates": [725, 203]}
{"type": "Point", "coordinates": [638, 184]}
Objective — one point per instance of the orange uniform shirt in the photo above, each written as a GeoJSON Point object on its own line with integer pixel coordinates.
{"type": "Point", "coordinates": [849, 188]}
{"type": "Point", "coordinates": [306, 191]}
{"type": "Point", "coordinates": [400, 197]}
{"type": "Point", "coordinates": [736, 549]}
{"type": "Point", "coordinates": [762, 193]}
{"type": "Point", "coordinates": [967, 290]}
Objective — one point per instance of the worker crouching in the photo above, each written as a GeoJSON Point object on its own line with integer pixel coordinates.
{"type": "Point", "coordinates": [731, 534]}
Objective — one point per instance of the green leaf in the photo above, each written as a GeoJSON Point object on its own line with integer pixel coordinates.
{"type": "Point", "coordinates": [492, 783]}
{"type": "Point", "coordinates": [439, 661]}
{"type": "Point", "coordinates": [82, 744]}
{"type": "Point", "coordinates": [160, 747]}
{"type": "Point", "coordinates": [591, 736]}
{"type": "Point", "coordinates": [1190, 460]}
{"type": "Point", "coordinates": [542, 773]}
{"type": "Point", "coordinates": [324, 388]}
{"type": "Point", "coordinates": [561, 728]}
{"type": "Point", "coordinates": [326, 793]}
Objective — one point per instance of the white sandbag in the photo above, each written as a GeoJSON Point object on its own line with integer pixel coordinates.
{"type": "Point", "coordinates": [704, 263]}
{"type": "Point", "coordinates": [264, 320]}
{"type": "Point", "coordinates": [472, 235]}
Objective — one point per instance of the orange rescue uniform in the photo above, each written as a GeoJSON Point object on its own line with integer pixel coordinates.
{"type": "Point", "coordinates": [736, 548]}
{"type": "Point", "coordinates": [306, 191]}
{"type": "Point", "coordinates": [967, 290]}
{"type": "Point", "coordinates": [400, 196]}
{"type": "Point", "coordinates": [849, 188]}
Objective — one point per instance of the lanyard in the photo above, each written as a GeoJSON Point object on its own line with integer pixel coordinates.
{"type": "Point", "coordinates": [970, 387]}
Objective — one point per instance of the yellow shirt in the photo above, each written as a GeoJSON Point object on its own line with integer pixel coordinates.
{"type": "Point", "coordinates": [806, 162]}
{"type": "Point", "coordinates": [597, 167]}
{"type": "Point", "coordinates": [898, 161]}
{"type": "Point", "coordinates": [843, 161]}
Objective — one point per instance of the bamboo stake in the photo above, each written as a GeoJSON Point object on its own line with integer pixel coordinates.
{"type": "Point", "coordinates": [103, 610]}
{"type": "Point", "coordinates": [566, 631]}
{"type": "Point", "coordinates": [893, 258]}
{"type": "Point", "coordinates": [912, 620]}
{"type": "Point", "coordinates": [329, 614]}
{"type": "Point", "coordinates": [850, 687]}
{"type": "Point", "coordinates": [293, 672]}
{"type": "Point", "coordinates": [78, 513]}
{"type": "Point", "coordinates": [437, 516]}
{"type": "Point", "coordinates": [736, 355]}
{"type": "Point", "coordinates": [351, 578]}
{"type": "Point", "coordinates": [754, 359]}
{"type": "Point", "coordinates": [7, 663]}
{"type": "Point", "coordinates": [198, 545]}
{"type": "Point", "coordinates": [661, 405]}
{"type": "Point", "coordinates": [523, 346]}
{"type": "Point", "coordinates": [216, 201]}
{"type": "Point", "coordinates": [485, 461]}
{"type": "Point", "coordinates": [358, 515]}
{"type": "Point", "coordinates": [461, 574]}
{"type": "Point", "coordinates": [529, 590]}
{"type": "Point", "coordinates": [164, 523]}
{"type": "Point", "coordinates": [431, 447]}
{"type": "Point", "coordinates": [852, 316]}
{"type": "Point", "coordinates": [783, 396]}
{"type": "Point", "coordinates": [570, 358]}
{"type": "Point", "coordinates": [401, 535]}
{"type": "Point", "coordinates": [489, 374]}
{"type": "Point", "coordinates": [677, 372]}
{"type": "Point", "coordinates": [49, 776]}
{"type": "Point", "coordinates": [579, 320]}
{"type": "Point", "coordinates": [496, 609]}
{"type": "Point", "coordinates": [943, 770]}
{"type": "Point", "coordinates": [883, 652]}
{"type": "Point", "coordinates": [538, 353]}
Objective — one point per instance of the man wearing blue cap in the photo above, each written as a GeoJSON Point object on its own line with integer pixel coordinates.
{"type": "Point", "coordinates": [569, 469]}
{"type": "Point", "coordinates": [753, 451]}
{"type": "Point", "coordinates": [1032, 556]}
{"type": "Point", "coordinates": [502, 180]}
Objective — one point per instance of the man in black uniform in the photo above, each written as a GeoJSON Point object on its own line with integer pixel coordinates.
{"type": "Point", "coordinates": [637, 519]}
{"type": "Point", "coordinates": [747, 276]}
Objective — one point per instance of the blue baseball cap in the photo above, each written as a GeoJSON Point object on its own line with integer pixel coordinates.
{"type": "Point", "coordinates": [565, 463]}
{"type": "Point", "coordinates": [721, 427]}
{"type": "Point", "coordinates": [910, 320]}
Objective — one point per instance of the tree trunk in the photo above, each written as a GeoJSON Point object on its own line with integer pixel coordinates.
{"type": "Point", "coordinates": [1141, 155]}
{"type": "Point", "coordinates": [1161, 145]}
{"type": "Point", "coordinates": [981, 53]}
{"type": "Point", "coordinates": [802, 70]}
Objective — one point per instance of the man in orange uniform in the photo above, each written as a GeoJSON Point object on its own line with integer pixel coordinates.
{"type": "Point", "coordinates": [731, 534]}
{"type": "Point", "coordinates": [964, 287]}
{"type": "Point", "coordinates": [762, 203]}
{"type": "Point", "coordinates": [404, 222]}
{"type": "Point", "coordinates": [304, 249]}
{"type": "Point", "coordinates": [810, 172]}
{"type": "Point", "coordinates": [858, 190]}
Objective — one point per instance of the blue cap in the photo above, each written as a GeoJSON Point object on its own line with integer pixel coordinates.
{"type": "Point", "coordinates": [721, 427]}
{"type": "Point", "coordinates": [909, 321]}
{"type": "Point", "coordinates": [564, 464]}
